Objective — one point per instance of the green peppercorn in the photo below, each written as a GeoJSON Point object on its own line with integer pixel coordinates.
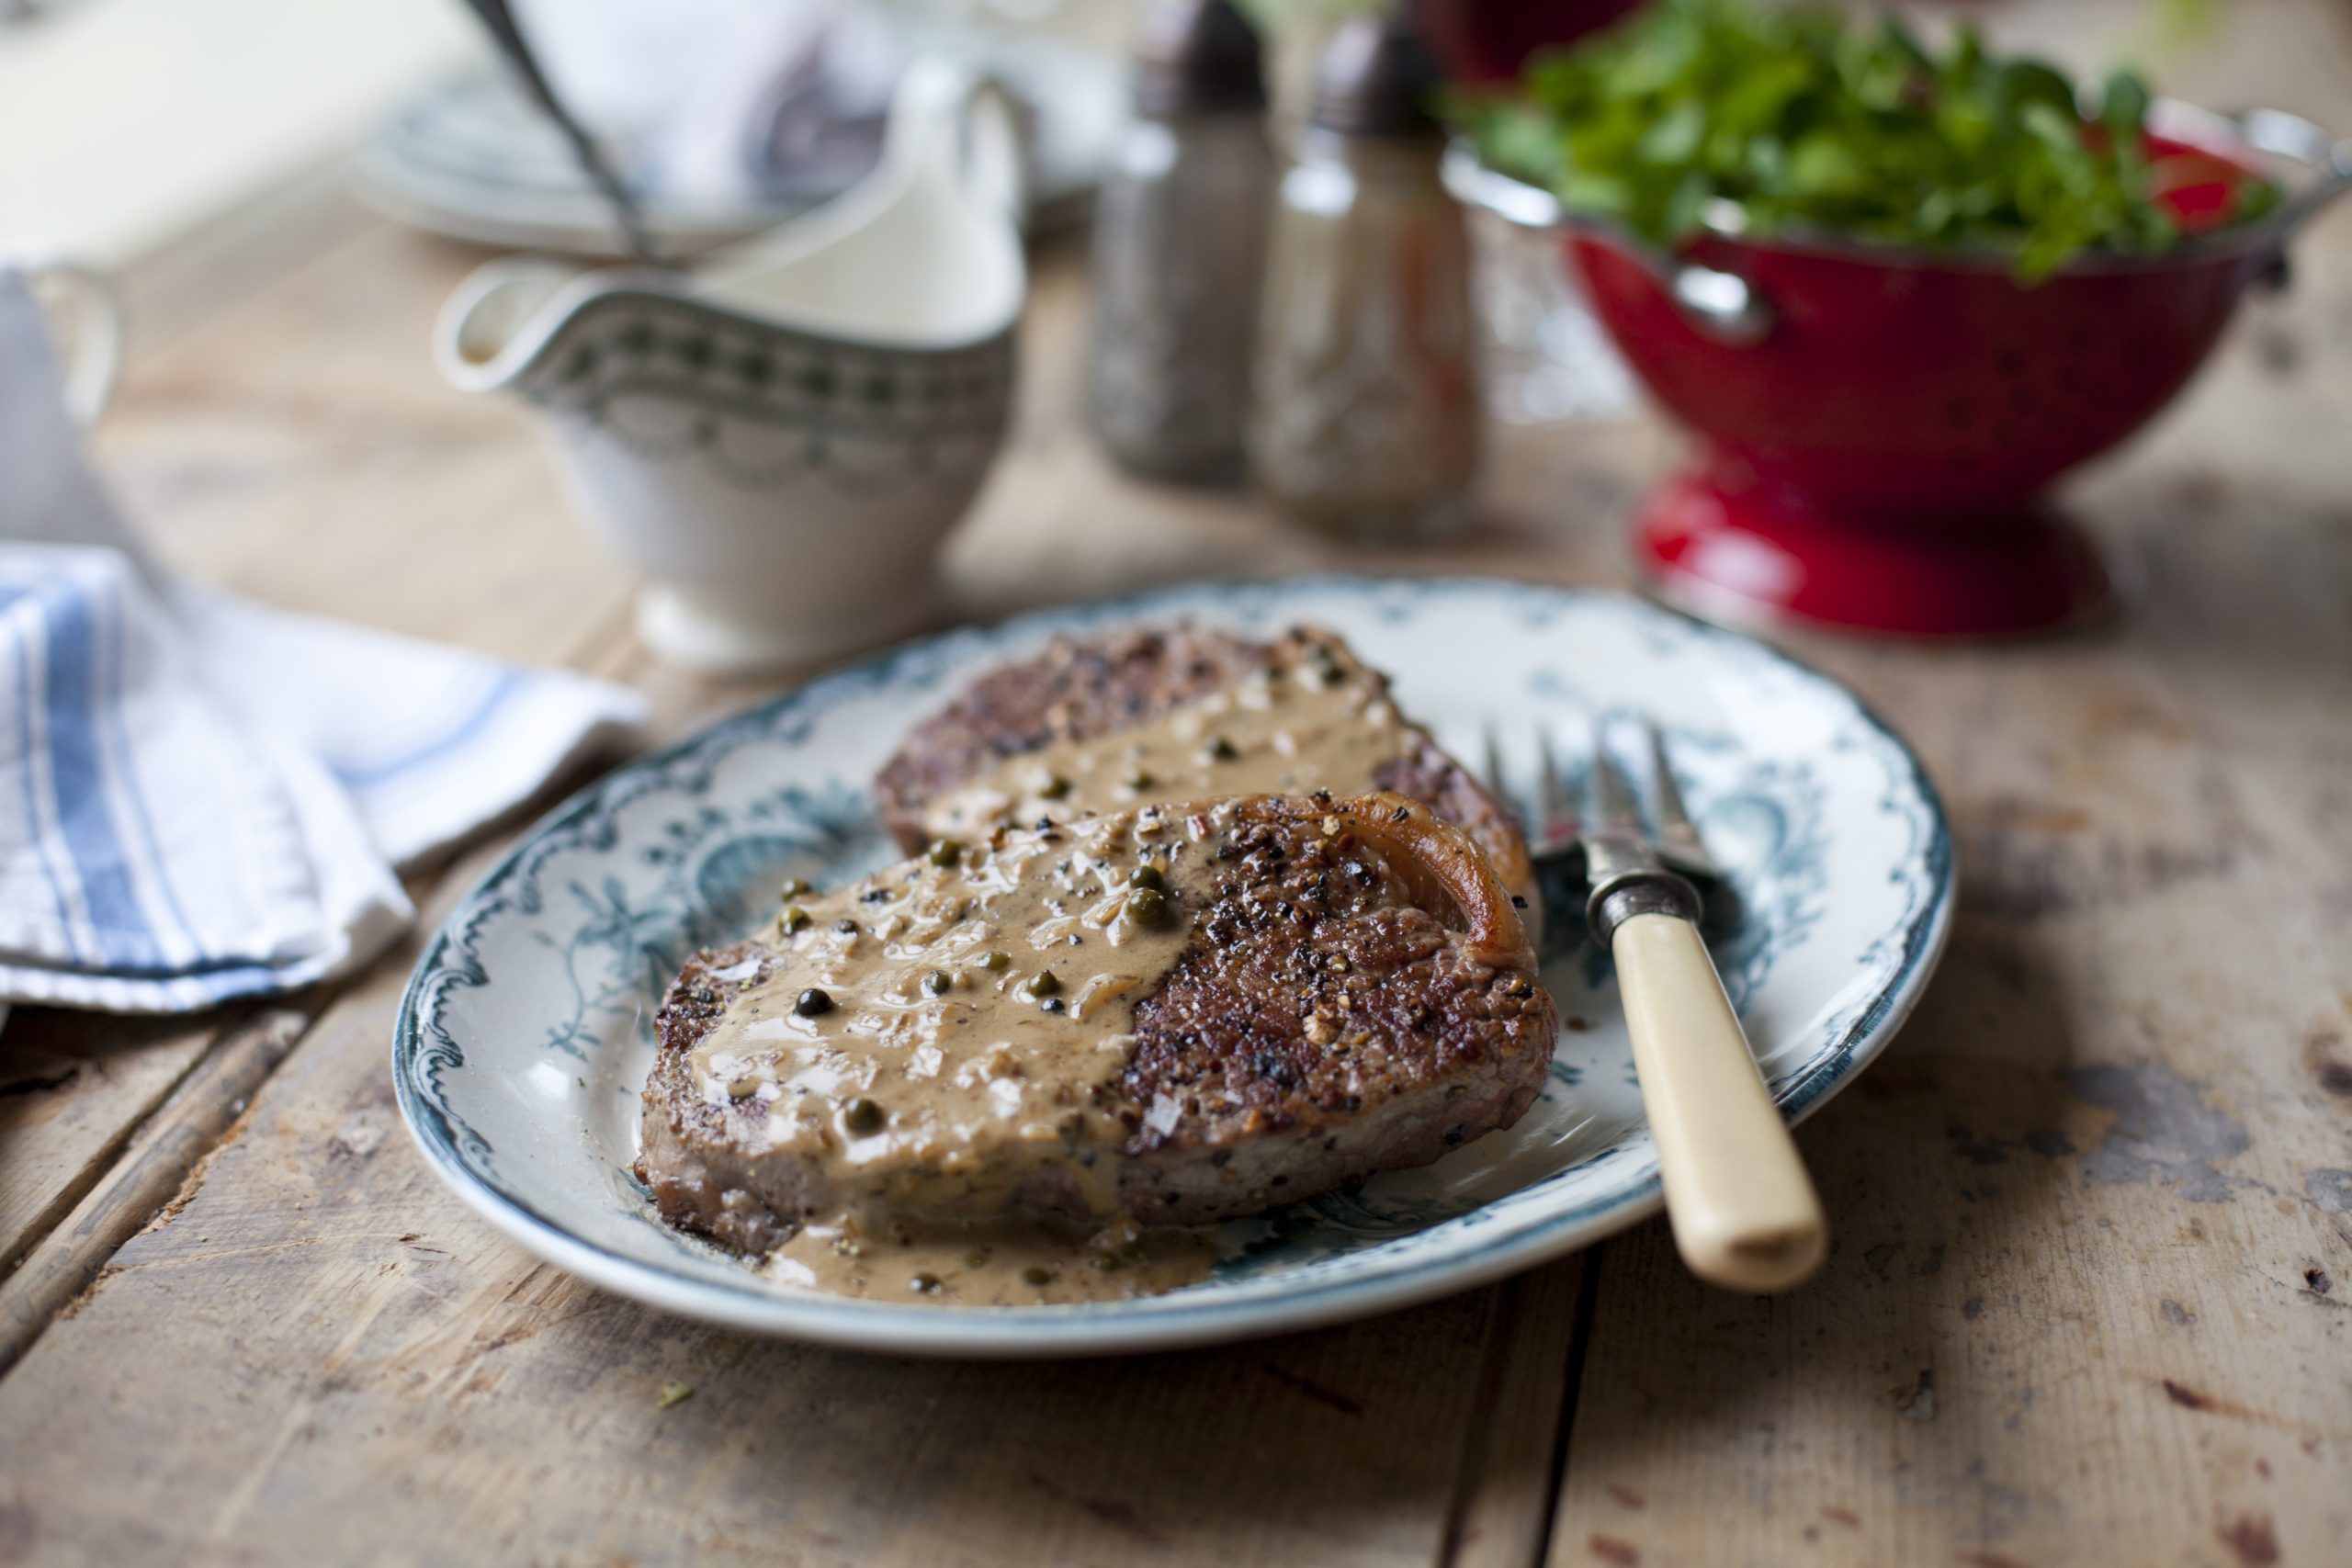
{"type": "Point", "coordinates": [937, 983]}
{"type": "Point", "coordinates": [1140, 779]}
{"type": "Point", "coordinates": [792, 888]}
{"type": "Point", "coordinates": [1219, 750]}
{"type": "Point", "coordinates": [944, 852]}
{"type": "Point", "coordinates": [1148, 907]}
{"type": "Point", "coordinates": [994, 961]}
{"type": "Point", "coordinates": [1033, 1275]}
{"type": "Point", "coordinates": [1149, 874]}
{"type": "Point", "coordinates": [1107, 1262]}
{"type": "Point", "coordinates": [1053, 786]}
{"type": "Point", "coordinates": [862, 1116]}
{"type": "Point", "coordinates": [924, 1284]}
{"type": "Point", "coordinates": [1041, 983]}
{"type": "Point", "coordinates": [794, 919]}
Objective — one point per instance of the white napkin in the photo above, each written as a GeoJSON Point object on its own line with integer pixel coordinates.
{"type": "Point", "coordinates": [202, 798]}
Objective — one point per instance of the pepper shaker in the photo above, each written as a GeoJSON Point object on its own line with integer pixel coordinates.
{"type": "Point", "coordinates": [1179, 249]}
{"type": "Point", "coordinates": [1365, 410]}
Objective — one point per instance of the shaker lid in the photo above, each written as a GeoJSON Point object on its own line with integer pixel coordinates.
{"type": "Point", "coordinates": [1376, 78]}
{"type": "Point", "coordinates": [1197, 54]}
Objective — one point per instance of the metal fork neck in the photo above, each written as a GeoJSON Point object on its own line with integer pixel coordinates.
{"type": "Point", "coordinates": [1618, 898]}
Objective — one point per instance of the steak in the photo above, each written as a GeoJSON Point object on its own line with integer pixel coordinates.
{"type": "Point", "coordinates": [1249, 1002]}
{"type": "Point", "coordinates": [1093, 691]}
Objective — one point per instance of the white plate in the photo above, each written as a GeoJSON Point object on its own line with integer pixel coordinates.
{"type": "Point", "coordinates": [526, 1031]}
{"type": "Point", "coordinates": [469, 157]}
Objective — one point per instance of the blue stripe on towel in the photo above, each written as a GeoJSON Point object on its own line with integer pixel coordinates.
{"type": "Point", "coordinates": [79, 775]}
{"type": "Point", "coordinates": [127, 769]}
{"type": "Point", "coordinates": [369, 775]}
{"type": "Point", "coordinates": [33, 830]}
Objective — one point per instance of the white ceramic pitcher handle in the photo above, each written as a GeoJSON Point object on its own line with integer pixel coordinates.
{"type": "Point", "coordinates": [85, 297]}
{"type": "Point", "coordinates": [995, 169]}
{"type": "Point", "coordinates": [948, 123]}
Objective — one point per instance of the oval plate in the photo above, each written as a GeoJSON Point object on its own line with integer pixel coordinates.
{"type": "Point", "coordinates": [528, 1027]}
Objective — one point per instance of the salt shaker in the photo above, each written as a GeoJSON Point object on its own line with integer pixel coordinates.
{"type": "Point", "coordinates": [1365, 413]}
{"type": "Point", "coordinates": [1179, 249]}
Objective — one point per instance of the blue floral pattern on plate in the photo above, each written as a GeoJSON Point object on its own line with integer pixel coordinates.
{"type": "Point", "coordinates": [527, 1027]}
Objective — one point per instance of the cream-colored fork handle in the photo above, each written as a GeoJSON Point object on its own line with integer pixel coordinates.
{"type": "Point", "coordinates": [1745, 1214]}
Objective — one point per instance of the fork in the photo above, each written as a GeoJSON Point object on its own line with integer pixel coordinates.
{"type": "Point", "coordinates": [1744, 1211]}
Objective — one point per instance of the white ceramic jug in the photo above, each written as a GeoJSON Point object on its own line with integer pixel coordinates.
{"type": "Point", "coordinates": [780, 440]}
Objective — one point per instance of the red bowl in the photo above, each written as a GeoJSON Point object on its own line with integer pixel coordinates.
{"type": "Point", "coordinates": [1877, 427]}
{"type": "Point", "coordinates": [1486, 43]}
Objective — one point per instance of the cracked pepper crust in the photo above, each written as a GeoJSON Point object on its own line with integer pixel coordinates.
{"type": "Point", "coordinates": [1084, 687]}
{"type": "Point", "coordinates": [1329, 1018]}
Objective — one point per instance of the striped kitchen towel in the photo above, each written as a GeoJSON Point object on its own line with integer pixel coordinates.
{"type": "Point", "coordinates": [202, 798]}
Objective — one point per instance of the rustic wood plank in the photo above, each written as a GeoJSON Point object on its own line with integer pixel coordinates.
{"type": "Point", "coordinates": [1511, 1471]}
{"type": "Point", "coordinates": [320, 1281]}
{"type": "Point", "coordinates": [318, 1270]}
{"type": "Point", "coordinates": [71, 1089]}
{"type": "Point", "coordinates": [2087, 1301]}
{"type": "Point", "coordinates": [191, 1125]}
{"type": "Point", "coordinates": [1337, 1447]}
{"type": "Point", "coordinates": [295, 327]}
{"type": "Point", "coordinates": [2090, 1298]}
{"type": "Point", "coordinates": [2126, 1320]}
{"type": "Point", "coordinates": [323, 1283]}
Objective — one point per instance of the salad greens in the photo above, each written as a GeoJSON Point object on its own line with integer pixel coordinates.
{"type": "Point", "coordinates": [1805, 119]}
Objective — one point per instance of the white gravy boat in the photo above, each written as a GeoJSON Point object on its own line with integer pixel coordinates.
{"type": "Point", "coordinates": [781, 440]}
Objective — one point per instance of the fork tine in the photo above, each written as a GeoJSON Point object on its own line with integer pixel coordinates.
{"type": "Point", "coordinates": [1677, 836]}
{"type": "Point", "coordinates": [1558, 806]}
{"type": "Point", "coordinates": [1493, 772]}
{"type": "Point", "coordinates": [1614, 810]}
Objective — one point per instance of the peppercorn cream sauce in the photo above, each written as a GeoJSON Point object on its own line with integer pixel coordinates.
{"type": "Point", "coordinates": [908, 1052]}
{"type": "Point", "coordinates": [1009, 1261]}
{"type": "Point", "coordinates": [1319, 722]}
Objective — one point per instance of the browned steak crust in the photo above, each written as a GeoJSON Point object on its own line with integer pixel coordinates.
{"type": "Point", "coordinates": [1327, 1018]}
{"type": "Point", "coordinates": [1080, 688]}
{"type": "Point", "coordinates": [1320, 1028]}
{"type": "Point", "coordinates": [1076, 689]}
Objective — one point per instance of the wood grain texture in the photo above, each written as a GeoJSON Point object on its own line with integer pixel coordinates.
{"type": "Point", "coordinates": [2090, 1298]}
{"type": "Point", "coordinates": [190, 1125]}
{"type": "Point", "coordinates": [281, 430]}
{"type": "Point", "coordinates": [73, 1087]}
{"type": "Point", "coordinates": [2094, 1207]}
{"type": "Point", "coordinates": [1511, 1469]}
{"type": "Point", "coordinates": [320, 1345]}
{"type": "Point", "coordinates": [350, 1356]}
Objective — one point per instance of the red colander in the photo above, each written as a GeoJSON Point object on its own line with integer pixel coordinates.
{"type": "Point", "coordinates": [1877, 427]}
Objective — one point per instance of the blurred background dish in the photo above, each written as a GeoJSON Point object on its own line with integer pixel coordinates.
{"type": "Point", "coordinates": [728, 148]}
{"type": "Point", "coordinates": [1545, 359]}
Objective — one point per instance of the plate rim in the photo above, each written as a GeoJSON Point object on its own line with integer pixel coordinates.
{"type": "Point", "coordinates": [1164, 1322]}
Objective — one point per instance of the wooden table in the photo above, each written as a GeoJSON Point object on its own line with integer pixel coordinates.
{"type": "Point", "coordinates": [2092, 1296]}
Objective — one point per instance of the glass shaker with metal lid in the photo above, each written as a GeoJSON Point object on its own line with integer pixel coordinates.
{"type": "Point", "coordinates": [1365, 410]}
{"type": "Point", "coordinates": [1179, 249]}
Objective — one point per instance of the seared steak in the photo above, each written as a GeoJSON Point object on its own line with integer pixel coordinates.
{"type": "Point", "coordinates": [1095, 721]}
{"type": "Point", "coordinates": [1250, 1002]}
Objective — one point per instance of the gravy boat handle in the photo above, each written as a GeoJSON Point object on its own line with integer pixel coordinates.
{"type": "Point", "coordinates": [949, 124]}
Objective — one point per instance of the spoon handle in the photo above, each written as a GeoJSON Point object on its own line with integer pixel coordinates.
{"type": "Point", "coordinates": [499, 19]}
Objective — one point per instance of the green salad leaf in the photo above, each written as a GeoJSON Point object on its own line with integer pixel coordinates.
{"type": "Point", "coordinates": [1724, 111]}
